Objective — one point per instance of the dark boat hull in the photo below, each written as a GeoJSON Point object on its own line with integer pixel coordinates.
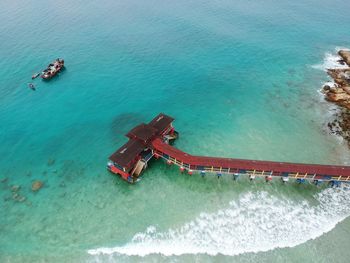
{"type": "Point", "coordinates": [49, 73]}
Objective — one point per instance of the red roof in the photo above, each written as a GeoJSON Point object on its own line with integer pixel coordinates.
{"type": "Point", "coordinates": [142, 132]}
{"type": "Point", "coordinates": [126, 154]}
{"type": "Point", "coordinates": [161, 122]}
{"type": "Point", "coordinates": [140, 138]}
{"type": "Point", "coordinates": [278, 167]}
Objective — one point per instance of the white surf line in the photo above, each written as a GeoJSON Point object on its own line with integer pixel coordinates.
{"type": "Point", "coordinates": [330, 61]}
{"type": "Point", "coordinates": [256, 222]}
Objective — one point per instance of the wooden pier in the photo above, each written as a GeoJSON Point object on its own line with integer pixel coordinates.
{"type": "Point", "coordinates": [153, 140]}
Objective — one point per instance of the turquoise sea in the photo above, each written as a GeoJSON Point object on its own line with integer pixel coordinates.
{"type": "Point", "coordinates": [241, 78]}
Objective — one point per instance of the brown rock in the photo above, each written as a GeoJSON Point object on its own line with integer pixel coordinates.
{"type": "Point", "coordinates": [339, 81]}
{"type": "Point", "coordinates": [332, 73]}
{"type": "Point", "coordinates": [338, 96]}
{"type": "Point", "coordinates": [345, 104]}
{"type": "Point", "coordinates": [345, 54]}
{"type": "Point", "coordinates": [340, 76]}
{"type": "Point", "coordinates": [346, 89]}
{"type": "Point", "coordinates": [36, 185]}
{"type": "Point", "coordinates": [338, 90]}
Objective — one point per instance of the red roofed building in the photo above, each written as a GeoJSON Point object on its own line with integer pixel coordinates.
{"type": "Point", "coordinates": [152, 139]}
{"type": "Point", "coordinates": [132, 158]}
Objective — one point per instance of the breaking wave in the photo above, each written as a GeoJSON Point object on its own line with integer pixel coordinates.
{"type": "Point", "coordinates": [330, 61]}
{"type": "Point", "coordinates": [253, 223]}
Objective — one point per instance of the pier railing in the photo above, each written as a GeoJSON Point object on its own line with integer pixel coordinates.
{"type": "Point", "coordinates": [190, 163]}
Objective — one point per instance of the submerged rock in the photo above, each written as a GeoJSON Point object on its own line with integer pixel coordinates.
{"type": "Point", "coordinates": [21, 199]}
{"type": "Point", "coordinates": [341, 126]}
{"type": "Point", "coordinates": [7, 198]}
{"type": "Point", "coordinates": [15, 196]}
{"type": "Point", "coordinates": [4, 180]}
{"type": "Point", "coordinates": [15, 188]}
{"type": "Point", "coordinates": [51, 162]}
{"type": "Point", "coordinates": [36, 185]}
{"type": "Point", "coordinates": [18, 198]}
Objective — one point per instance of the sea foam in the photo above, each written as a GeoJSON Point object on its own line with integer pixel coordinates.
{"type": "Point", "coordinates": [330, 61]}
{"type": "Point", "coordinates": [253, 223]}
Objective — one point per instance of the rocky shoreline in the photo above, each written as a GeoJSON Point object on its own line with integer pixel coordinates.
{"type": "Point", "coordinates": [339, 93]}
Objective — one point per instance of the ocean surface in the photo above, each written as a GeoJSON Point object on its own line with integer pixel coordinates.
{"type": "Point", "coordinates": [241, 78]}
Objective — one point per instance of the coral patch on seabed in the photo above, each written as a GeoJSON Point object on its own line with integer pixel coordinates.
{"type": "Point", "coordinates": [36, 185]}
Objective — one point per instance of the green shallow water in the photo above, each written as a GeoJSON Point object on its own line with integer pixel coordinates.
{"type": "Point", "coordinates": [240, 78]}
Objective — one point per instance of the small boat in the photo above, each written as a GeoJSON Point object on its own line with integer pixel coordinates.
{"type": "Point", "coordinates": [52, 69]}
{"type": "Point", "coordinates": [34, 76]}
{"type": "Point", "coordinates": [31, 86]}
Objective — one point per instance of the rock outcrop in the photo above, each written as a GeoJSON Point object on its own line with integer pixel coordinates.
{"type": "Point", "coordinates": [345, 54]}
{"type": "Point", "coordinates": [341, 124]}
{"type": "Point", "coordinates": [339, 94]}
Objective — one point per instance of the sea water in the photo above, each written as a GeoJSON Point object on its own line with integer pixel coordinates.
{"type": "Point", "coordinates": [241, 78]}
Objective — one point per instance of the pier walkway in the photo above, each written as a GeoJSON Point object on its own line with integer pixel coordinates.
{"type": "Point", "coordinates": [252, 167]}
{"type": "Point", "coordinates": [152, 140]}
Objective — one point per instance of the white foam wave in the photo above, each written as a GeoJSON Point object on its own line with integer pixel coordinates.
{"type": "Point", "coordinates": [256, 222]}
{"type": "Point", "coordinates": [330, 61]}
{"type": "Point", "coordinates": [330, 84]}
